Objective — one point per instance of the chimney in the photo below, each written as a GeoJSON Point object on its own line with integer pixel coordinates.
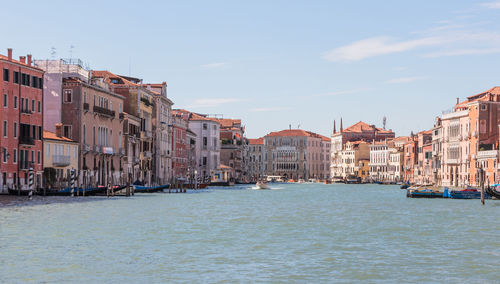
{"type": "Point", "coordinates": [458, 99]}
{"type": "Point", "coordinates": [58, 129]}
{"type": "Point", "coordinates": [22, 59]}
{"type": "Point", "coordinates": [29, 59]}
{"type": "Point", "coordinates": [9, 52]}
{"type": "Point", "coordinates": [334, 127]}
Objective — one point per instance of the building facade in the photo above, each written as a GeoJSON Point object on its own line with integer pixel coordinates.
{"type": "Point", "coordinates": [255, 157]}
{"type": "Point", "coordinates": [21, 121]}
{"type": "Point", "coordinates": [61, 156]}
{"type": "Point", "coordinates": [92, 116]}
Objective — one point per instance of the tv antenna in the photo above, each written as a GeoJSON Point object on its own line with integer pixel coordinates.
{"type": "Point", "coordinates": [384, 121]}
{"type": "Point", "coordinates": [53, 52]}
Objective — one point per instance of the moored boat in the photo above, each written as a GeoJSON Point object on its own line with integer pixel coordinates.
{"type": "Point", "coordinates": [424, 193]}
{"type": "Point", "coordinates": [149, 189]}
{"type": "Point", "coordinates": [467, 193]}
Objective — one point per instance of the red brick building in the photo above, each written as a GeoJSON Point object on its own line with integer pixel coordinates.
{"type": "Point", "coordinates": [21, 120]}
{"type": "Point", "coordinates": [180, 159]}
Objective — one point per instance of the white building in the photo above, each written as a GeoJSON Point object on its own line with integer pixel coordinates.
{"type": "Point", "coordinates": [207, 142]}
{"type": "Point", "coordinates": [162, 163]}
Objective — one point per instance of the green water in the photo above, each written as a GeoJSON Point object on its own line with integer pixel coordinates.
{"type": "Point", "coordinates": [311, 233]}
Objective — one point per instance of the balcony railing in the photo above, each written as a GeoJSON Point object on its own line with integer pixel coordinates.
{"type": "Point", "coordinates": [148, 154]}
{"type": "Point", "coordinates": [85, 106]}
{"type": "Point", "coordinates": [104, 111]}
{"type": "Point", "coordinates": [121, 151]}
{"type": "Point", "coordinates": [25, 111]}
{"type": "Point", "coordinates": [85, 148]}
{"type": "Point", "coordinates": [23, 140]}
{"type": "Point", "coordinates": [60, 160]}
{"type": "Point", "coordinates": [121, 115]}
{"type": "Point", "coordinates": [25, 165]}
{"type": "Point", "coordinates": [487, 154]}
{"type": "Point", "coordinates": [97, 148]}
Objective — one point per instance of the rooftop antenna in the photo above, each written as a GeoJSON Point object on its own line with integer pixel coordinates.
{"type": "Point", "coordinates": [53, 52]}
{"type": "Point", "coordinates": [298, 126]}
{"type": "Point", "coordinates": [384, 121]}
{"type": "Point", "coordinates": [290, 126]}
{"type": "Point", "coordinates": [71, 47]}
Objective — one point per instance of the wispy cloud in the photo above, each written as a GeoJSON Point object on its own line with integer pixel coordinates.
{"type": "Point", "coordinates": [269, 109]}
{"type": "Point", "coordinates": [375, 46]}
{"type": "Point", "coordinates": [404, 80]}
{"type": "Point", "coordinates": [215, 65]}
{"type": "Point", "coordinates": [213, 102]}
{"type": "Point", "coordinates": [491, 5]}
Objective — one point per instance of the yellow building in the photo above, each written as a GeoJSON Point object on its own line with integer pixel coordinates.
{"type": "Point", "coordinates": [363, 169]}
{"type": "Point", "coordinates": [61, 154]}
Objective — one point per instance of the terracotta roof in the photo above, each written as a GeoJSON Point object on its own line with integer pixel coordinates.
{"type": "Point", "coordinates": [108, 77]}
{"type": "Point", "coordinates": [483, 96]}
{"type": "Point", "coordinates": [222, 166]}
{"type": "Point", "coordinates": [297, 132]}
{"type": "Point", "coordinates": [18, 62]}
{"type": "Point", "coordinates": [227, 122]}
{"type": "Point", "coordinates": [258, 141]}
{"type": "Point", "coordinates": [365, 127]}
{"type": "Point", "coordinates": [191, 115]}
{"type": "Point", "coordinates": [53, 136]}
{"type": "Point", "coordinates": [425, 132]}
{"type": "Point", "coordinates": [401, 139]}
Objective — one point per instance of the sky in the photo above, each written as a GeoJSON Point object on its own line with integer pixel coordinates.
{"type": "Point", "coordinates": [277, 64]}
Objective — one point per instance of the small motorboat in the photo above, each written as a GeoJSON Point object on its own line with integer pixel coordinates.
{"type": "Point", "coordinates": [467, 193]}
{"type": "Point", "coordinates": [493, 191]}
{"type": "Point", "coordinates": [262, 185]}
{"type": "Point", "coordinates": [405, 186]}
{"type": "Point", "coordinates": [424, 193]}
{"type": "Point", "coordinates": [149, 189]}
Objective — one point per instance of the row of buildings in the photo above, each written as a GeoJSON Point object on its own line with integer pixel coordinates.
{"type": "Point", "coordinates": [461, 149]}
{"type": "Point", "coordinates": [57, 116]}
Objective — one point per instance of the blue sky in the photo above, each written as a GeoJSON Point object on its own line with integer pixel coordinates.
{"type": "Point", "coordinates": [276, 63]}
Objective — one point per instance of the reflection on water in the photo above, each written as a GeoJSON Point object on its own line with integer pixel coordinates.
{"type": "Point", "coordinates": [295, 233]}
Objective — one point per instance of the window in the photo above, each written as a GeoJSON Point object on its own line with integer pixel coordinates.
{"type": "Point", "coordinates": [93, 135]}
{"type": "Point", "coordinates": [34, 83]}
{"type": "Point", "coordinates": [40, 134]}
{"type": "Point", "coordinates": [5, 128]}
{"type": "Point", "coordinates": [204, 141]}
{"type": "Point", "coordinates": [15, 101]}
{"type": "Point", "coordinates": [204, 126]}
{"type": "Point", "coordinates": [47, 150]}
{"type": "Point", "coordinates": [16, 77]}
{"type": "Point", "coordinates": [32, 156]}
{"type": "Point", "coordinates": [4, 155]}
{"type": "Point", "coordinates": [67, 131]}
{"type": "Point", "coordinates": [67, 96]}
{"type": "Point", "coordinates": [15, 129]}
{"type": "Point", "coordinates": [84, 134]}
{"type": "Point", "coordinates": [5, 100]}
{"type": "Point", "coordinates": [6, 75]}
{"type": "Point", "coordinates": [33, 105]}
{"type": "Point", "coordinates": [38, 156]}
{"type": "Point", "coordinates": [39, 106]}
{"type": "Point", "coordinates": [204, 161]}
{"type": "Point", "coordinates": [483, 107]}
{"type": "Point", "coordinates": [40, 83]}
{"type": "Point", "coordinates": [14, 158]}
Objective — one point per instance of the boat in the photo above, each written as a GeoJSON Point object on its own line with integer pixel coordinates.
{"type": "Point", "coordinates": [405, 186]}
{"type": "Point", "coordinates": [337, 179]}
{"type": "Point", "coordinates": [76, 191]}
{"type": "Point", "coordinates": [492, 191]}
{"type": "Point", "coordinates": [467, 193]}
{"type": "Point", "coordinates": [301, 180]}
{"type": "Point", "coordinates": [262, 185]}
{"type": "Point", "coordinates": [352, 180]}
{"type": "Point", "coordinates": [424, 193]}
{"type": "Point", "coordinates": [149, 189]}
{"type": "Point", "coordinates": [24, 192]}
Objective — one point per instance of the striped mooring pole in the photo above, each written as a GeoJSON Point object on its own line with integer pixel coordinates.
{"type": "Point", "coordinates": [30, 182]}
{"type": "Point", "coordinates": [72, 182]}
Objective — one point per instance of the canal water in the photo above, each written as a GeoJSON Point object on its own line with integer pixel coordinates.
{"type": "Point", "coordinates": [293, 233]}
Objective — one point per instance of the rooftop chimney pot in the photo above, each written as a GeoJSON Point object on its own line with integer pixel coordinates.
{"type": "Point", "coordinates": [9, 52]}
{"type": "Point", "coordinates": [58, 129]}
{"type": "Point", "coordinates": [22, 59]}
{"type": "Point", "coordinates": [29, 59]}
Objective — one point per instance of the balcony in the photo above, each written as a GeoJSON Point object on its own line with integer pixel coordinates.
{"type": "Point", "coordinates": [147, 154]}
{"type": "Point", "coordinates": [25, 111]}
{"type": "Point", "coordinates": [85, 106]}
{"type": "Point", "coordinates": [23, 140]}
{"type": "Point", "coordinates": [489, 154]}
{"type": "Point", "coordinates": [121, 116]}
{"type": "Point", "coordinates": [25, 165]}
{"type": "Point", "coordinates": [104, 111]}
{"type": "Point", "coordinates": [146, 134]}
{"type": "Point", "coordinates": [85, 148]}
{"type": "Point", "coordinates": [135, 160]}
{"type": "Point", "coordinates": [108, 150]}
{"type": "Point", "coordinates": [121, 151]}
{"type": "Point", "coordinates": [97, 149]}
{"type": "Point", "coordinates": [60, 160]}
